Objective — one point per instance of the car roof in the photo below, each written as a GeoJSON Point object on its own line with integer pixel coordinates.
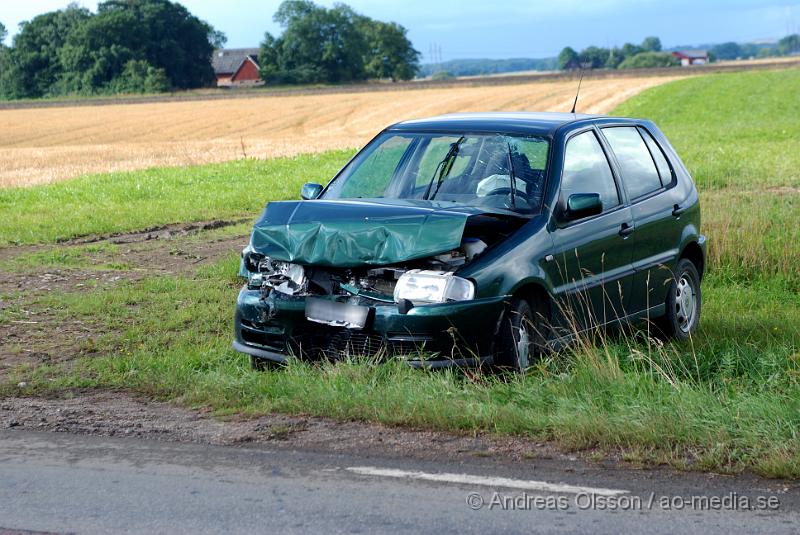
{"type": "Point", "coordinates": [541, 123]}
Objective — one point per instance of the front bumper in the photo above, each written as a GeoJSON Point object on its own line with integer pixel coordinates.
{"type": "Point", "coordinates": [446, 334]}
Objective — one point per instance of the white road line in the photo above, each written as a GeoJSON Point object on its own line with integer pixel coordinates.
{"type": "Point", "coordinates": [467, 479]}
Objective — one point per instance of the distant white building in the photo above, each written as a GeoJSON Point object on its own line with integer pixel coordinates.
{"type": "Point", "coordinates": [691, 57]}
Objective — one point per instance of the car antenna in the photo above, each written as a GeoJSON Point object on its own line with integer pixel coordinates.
{"type": "Point", "coordinates": [578, 92]}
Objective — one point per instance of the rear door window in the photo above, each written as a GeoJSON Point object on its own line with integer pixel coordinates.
{"type": "Point", "coordinates": [639, 173]}
{"type": "Point", "coordinates": [664, 169]}
{"type": "Point", "coordinates": [586, 170]}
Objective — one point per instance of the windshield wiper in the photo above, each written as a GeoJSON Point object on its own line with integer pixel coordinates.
{"type": "Point", "coordinates": [513, 176]}
{"type": "Point", "coordinates": [443, 168]}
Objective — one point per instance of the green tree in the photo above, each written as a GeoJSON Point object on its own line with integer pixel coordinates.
{"type": "Point", "coordinates": [5, 62]}
{"type": "Point", "coordinates": [651, 44]}
{"type": "Point", "coordinates": [389, 53]}
{"type": "Point", "coordinates": [138, 76]}
{"type": "Point", "coordinates": [594, 57]}
{"type": "Point", "coordinates": [789, 45]}
{"type": "Point", "coordinates": [750, 50]}
{"type": "Point", "coordinates": [568, 59]}
{"type": "Point", "coordinates": [161, 33]}
{"type": "Point", "coordinates": [650, 60]}
{"type": "Point", "coordinates": [442, 76]}
{"type": "Point", "coordinates": [334, 45]}
{"type": "Point", "coordinates": [34, 58]}
{"type": "Point", "coordinates": [766, 52]}
{"type": "Point", "coordinates": [615, 57]}
{"type": "Point", "coordinates": [728, 50]}
{"type": "Point", "coordinates": [317, 45]}
{"type": "Point", "coordinates": [629, 49]}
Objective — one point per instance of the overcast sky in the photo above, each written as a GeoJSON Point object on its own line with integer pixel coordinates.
{"type": "Point", "coordinates": [507, 28]}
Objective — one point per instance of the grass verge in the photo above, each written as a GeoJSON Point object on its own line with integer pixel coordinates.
{"type": "Point", "coordinates": [731, 401]}
{"type": "Point", "coordinates": [120, 202]}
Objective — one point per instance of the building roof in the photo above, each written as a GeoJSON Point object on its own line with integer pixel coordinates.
{"type": "Point", "coordinates": [517, 122]}
{"type": "Point", "coordinates": [692, 54]}
{"type": "Point", "coordinates": [228, 60]}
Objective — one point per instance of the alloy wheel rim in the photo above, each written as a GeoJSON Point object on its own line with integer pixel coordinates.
{"type": "Point", "coordinates": [523, 347]}
{"type": "Point", "coordinates": [685, 303]}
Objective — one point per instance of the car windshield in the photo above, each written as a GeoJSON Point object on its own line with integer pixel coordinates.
{"type": "Point", "coordinates": [487, 170]}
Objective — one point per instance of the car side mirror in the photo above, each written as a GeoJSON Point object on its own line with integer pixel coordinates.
{"type": "Point", "coordinates": [580, 205]}
{"type": "Point", "coordinates": [310, 191]}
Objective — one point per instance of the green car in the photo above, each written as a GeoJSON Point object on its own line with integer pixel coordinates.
{"type": "Point", "coordinates": [477, 238]}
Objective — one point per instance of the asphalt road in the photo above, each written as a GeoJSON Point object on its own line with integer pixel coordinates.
{"type": "Point", "coordinates": [55, 482]}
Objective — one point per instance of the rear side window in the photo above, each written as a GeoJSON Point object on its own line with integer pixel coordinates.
{"type": "Point", "coordinates": [586, 170]}
{"type": "Point", "coordinates": [639, 172]}
{"type": "Point", "coordinates": [664, 170]}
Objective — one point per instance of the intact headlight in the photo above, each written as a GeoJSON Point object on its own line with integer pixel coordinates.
{"type": "Point", "coordinates": [424, 286]}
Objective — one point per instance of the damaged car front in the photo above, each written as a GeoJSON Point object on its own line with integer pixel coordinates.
{"type": "Point", "coordinates": [403, 254]}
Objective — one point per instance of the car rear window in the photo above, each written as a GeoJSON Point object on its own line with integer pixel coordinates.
{"type": "Point", "coordinates": [638, 170]}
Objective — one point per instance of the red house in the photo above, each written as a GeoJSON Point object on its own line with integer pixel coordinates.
{"type": "Point", "coordinates": [691, 57]}
{"type": "Point", "coordinates": [235, 67]}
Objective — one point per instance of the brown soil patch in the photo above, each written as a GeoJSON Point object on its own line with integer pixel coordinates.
{"type": "Point", "coordinates": [32, 334]}
{"type": "Point", "coordinates": [121, 414]}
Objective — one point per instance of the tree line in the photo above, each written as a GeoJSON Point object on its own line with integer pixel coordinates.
{"type": "Point", "coordinates": [334, 45]}
{"type": "Point", "coordinates": [151, 46]}
{"type": "Point", "coordinates": [127, 46]}
{"type": "Point", "coordinates": [787, 46]}
{"type": "Point", "coordinates": [480, 67]}
{"type": "Point", "coordinates": [649, 54]}
{"type": "Point", "coordinates": [629, 56]}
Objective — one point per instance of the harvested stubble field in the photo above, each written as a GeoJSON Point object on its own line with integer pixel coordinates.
{"type": "Point", "coordinates": [46, 145]}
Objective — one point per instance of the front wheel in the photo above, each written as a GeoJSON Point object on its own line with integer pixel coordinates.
{"type": "Point", "coordinates": [521, 336]}
{"type": "Point", "coordinates": [683, 303]}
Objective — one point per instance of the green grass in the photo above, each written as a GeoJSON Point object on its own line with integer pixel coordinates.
{"type": "Point", "coordinates": [732, 130]}
{"type": "Point", "coordinates": [739, 136]}
{"type": "Point", "coordinates": [119, 202]}
{"type": "Point", "coordinates": [730, 400]}
{"type": "Point", "coordinates": [61, 257]}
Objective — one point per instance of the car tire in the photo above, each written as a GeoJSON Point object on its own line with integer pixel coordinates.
{"type": "Point", "coordinates": [683, 304]}
{"type": "Point", "coordinates": [521, 337]}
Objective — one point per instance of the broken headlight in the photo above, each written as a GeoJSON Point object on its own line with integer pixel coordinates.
{"type": "Point", "coordinates": [251, 260]}
{"type": "Point", "coordinates": [426, 286]}
{"type": "Point", "coordinates": [283, 277]}
{"type": "Point", "coordinates": [268, 274]}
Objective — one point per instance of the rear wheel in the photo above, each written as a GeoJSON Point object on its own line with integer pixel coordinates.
{"type": "Point", "coordinates": [521, 338]}
{"type": "Point", "coordinates": [683, 303]}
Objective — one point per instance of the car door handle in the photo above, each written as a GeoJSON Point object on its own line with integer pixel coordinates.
{"type": "Point", "coordinates": [626, 230]}
{"type": "Point", "coordinates": [677, 210]}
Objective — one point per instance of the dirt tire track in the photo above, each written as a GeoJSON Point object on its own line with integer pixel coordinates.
{"type": "Point", "coordinates": [34, 334]}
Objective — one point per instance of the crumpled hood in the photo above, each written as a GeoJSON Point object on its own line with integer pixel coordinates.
{"type": "Point", "coordinates": [351, 233]}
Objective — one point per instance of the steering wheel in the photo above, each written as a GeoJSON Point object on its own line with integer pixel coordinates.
{"type": "Point", "coordinates": [500, 191]}
{"type": "Point", "coordinates": [520, 199]}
